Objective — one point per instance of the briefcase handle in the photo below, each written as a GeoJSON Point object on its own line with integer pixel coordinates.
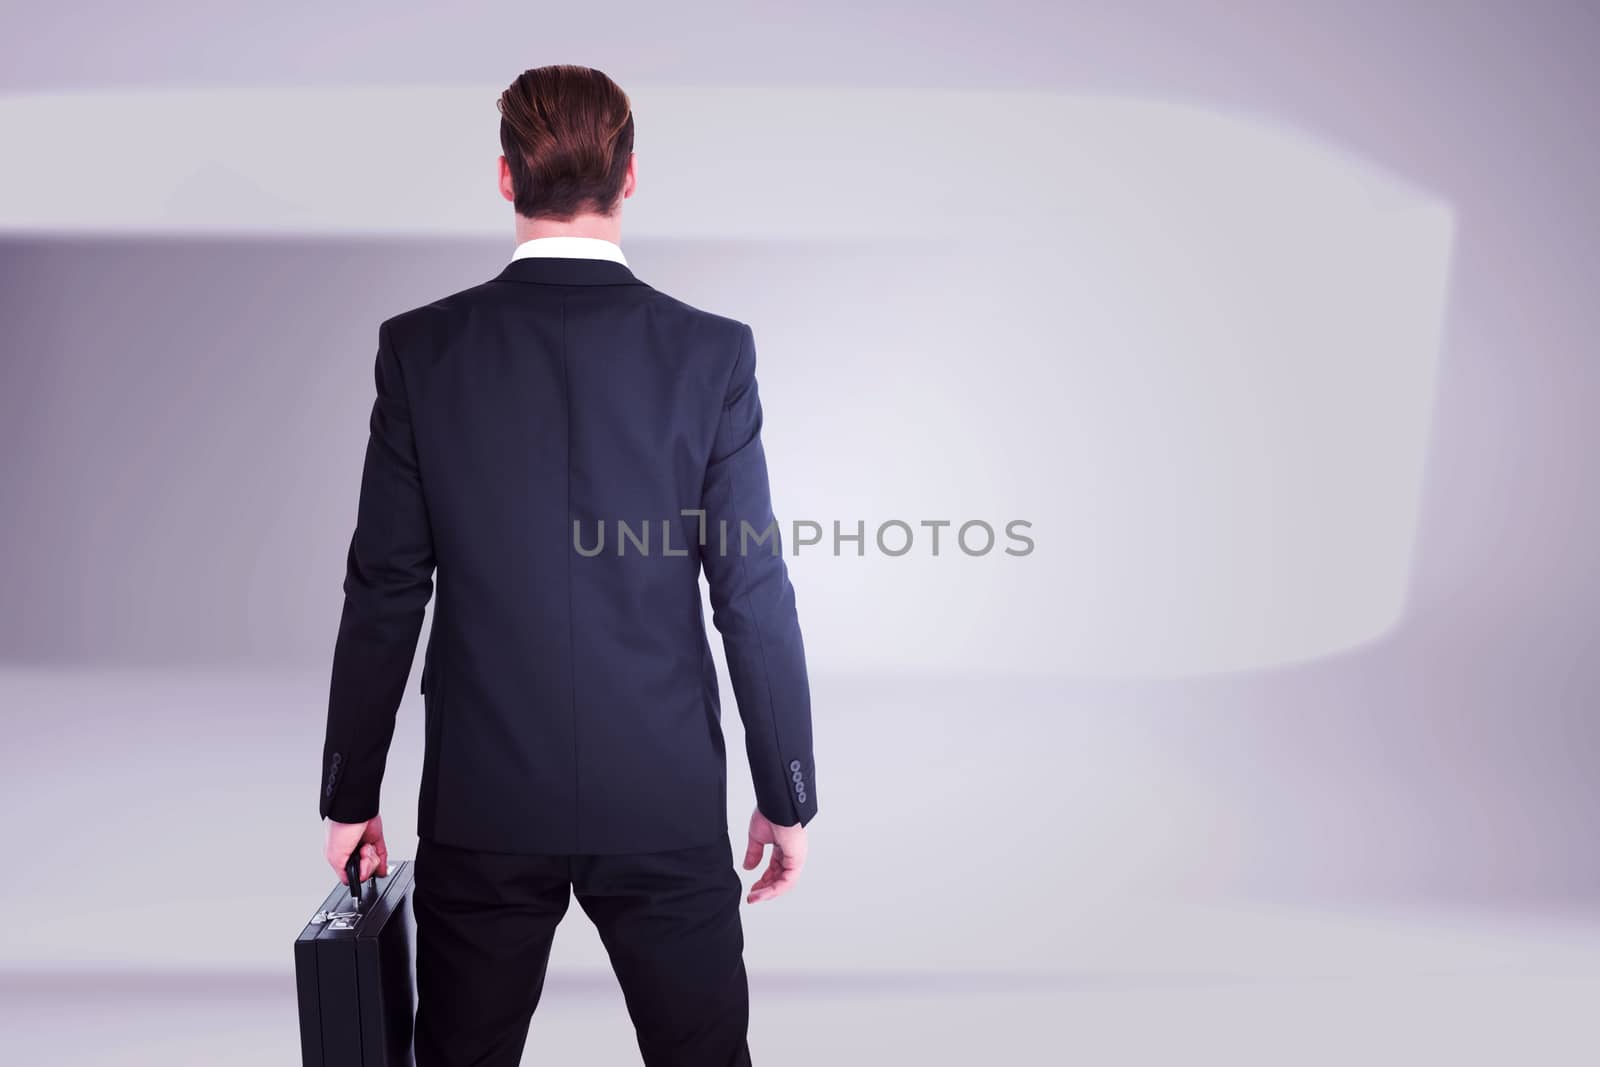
{"type": "Point", "coordinates": [352, 874]}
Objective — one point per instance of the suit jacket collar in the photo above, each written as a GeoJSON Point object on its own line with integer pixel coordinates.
{"type": "Point", "coordinates": [564, 270]}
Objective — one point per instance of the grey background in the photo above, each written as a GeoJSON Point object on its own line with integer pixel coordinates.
{"type": "Point", "coordinates": [1382, 851]}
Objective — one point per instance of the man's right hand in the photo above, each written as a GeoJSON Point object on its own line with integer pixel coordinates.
{"type": "Point", "coordinates": [788, 856]}
{"type": "Point", "coordinates": [344, 838]}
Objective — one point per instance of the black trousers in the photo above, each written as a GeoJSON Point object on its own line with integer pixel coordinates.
{"type": "Point", "coordinates": [669, 920]}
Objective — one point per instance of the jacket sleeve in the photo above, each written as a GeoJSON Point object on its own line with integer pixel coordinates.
{"type": "Point", "coordinates": [388, 581]}
{"type": "Point", "coordinates": [753, 604]}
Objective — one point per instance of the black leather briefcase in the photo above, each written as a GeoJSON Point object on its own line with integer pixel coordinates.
{"type": "Point", "coordinates": [353, 972]}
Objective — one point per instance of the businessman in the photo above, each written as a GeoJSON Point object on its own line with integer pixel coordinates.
{"type": "Point", "coordinates": [558, 453]}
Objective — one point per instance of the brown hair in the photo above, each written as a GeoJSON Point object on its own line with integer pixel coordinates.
{"type": "Point", "coordinates": [567, 133]}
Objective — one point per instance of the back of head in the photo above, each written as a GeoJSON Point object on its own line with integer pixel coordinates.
{"type": "Point", "coordinates": [567, 135]}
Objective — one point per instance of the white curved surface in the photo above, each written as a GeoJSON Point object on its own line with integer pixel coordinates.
{"type": "Point", "coordinates": [1196, 352]}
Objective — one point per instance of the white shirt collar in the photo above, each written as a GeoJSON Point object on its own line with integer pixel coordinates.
{"type": "Point", "coordinates": [567, 247]}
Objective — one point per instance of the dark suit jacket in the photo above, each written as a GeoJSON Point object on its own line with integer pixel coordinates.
{"type": "Point", "coordinates": [570, 699]}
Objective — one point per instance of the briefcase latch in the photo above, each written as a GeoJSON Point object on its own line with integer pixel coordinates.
{"type": "Point", "coordinates": [337, 920]}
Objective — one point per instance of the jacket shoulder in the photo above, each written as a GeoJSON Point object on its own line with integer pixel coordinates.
{"type": "Point", "coordinates": [711, 319]}
{"type": "Point", "coordinates": [437, 320]}
{"type": "Point", "coordinates": [435, 315]}
{"type": "Point", "coordinates": [721, 333]}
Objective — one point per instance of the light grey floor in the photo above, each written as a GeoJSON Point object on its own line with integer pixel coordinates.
{"type": "Point", "coordinates": [1236, 989]}
{"type": "Point", "coordinates": [1316, 867]}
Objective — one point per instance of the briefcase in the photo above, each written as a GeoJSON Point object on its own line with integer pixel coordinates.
{"type": "Point", "coordinates": [353, 973]}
